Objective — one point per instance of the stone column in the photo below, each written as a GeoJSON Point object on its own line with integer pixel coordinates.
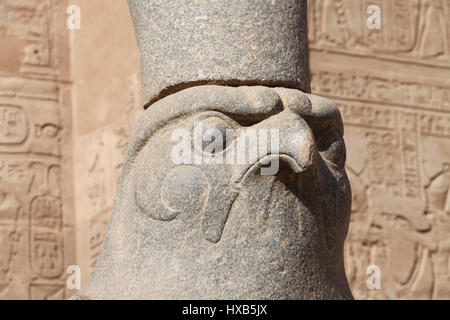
{"type": "Point", "coordinates": [234, 185]}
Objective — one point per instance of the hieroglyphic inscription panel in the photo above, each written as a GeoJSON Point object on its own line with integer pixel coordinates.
{"type": "Point", "coordinates": [35, 232]}
{"type": "Point", "coordinates": [393, 88]}
{"type": "Point", "coordinates": [411, 30]}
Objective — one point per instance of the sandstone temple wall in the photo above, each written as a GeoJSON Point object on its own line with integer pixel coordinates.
{"type": "Point", "coordinates": [37, 217]}
{"type": "Point", "coordinates": [393, 89]}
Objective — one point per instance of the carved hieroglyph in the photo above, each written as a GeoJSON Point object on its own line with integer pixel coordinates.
{"type": "Point", "coordinates": [36, 231]}
{"type": "Point", "coordinates": [393, 89]}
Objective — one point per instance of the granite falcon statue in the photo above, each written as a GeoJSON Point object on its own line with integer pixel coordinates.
{"type": "Point", "coordinates": [225, 230]}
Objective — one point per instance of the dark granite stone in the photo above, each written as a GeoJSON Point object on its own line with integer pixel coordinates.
{"type": "Point", "coordinates": [224, 231]}
{"type": "Point", "coordinates": [234, 42]}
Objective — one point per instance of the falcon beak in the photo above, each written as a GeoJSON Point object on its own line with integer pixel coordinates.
{"type": "Point", "coordinates": [293, 144]}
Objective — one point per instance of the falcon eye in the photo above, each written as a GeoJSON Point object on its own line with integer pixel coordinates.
{"type": "Point", "coordinates": [215, 134]}
{"type": "Point", "coordinates": [332, 148]}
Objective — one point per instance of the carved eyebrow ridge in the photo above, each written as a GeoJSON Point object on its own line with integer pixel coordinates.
{"type": "Point", "coordinates": [256, 102]}
{"type": "Point", "coordinates": [235, 102]}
